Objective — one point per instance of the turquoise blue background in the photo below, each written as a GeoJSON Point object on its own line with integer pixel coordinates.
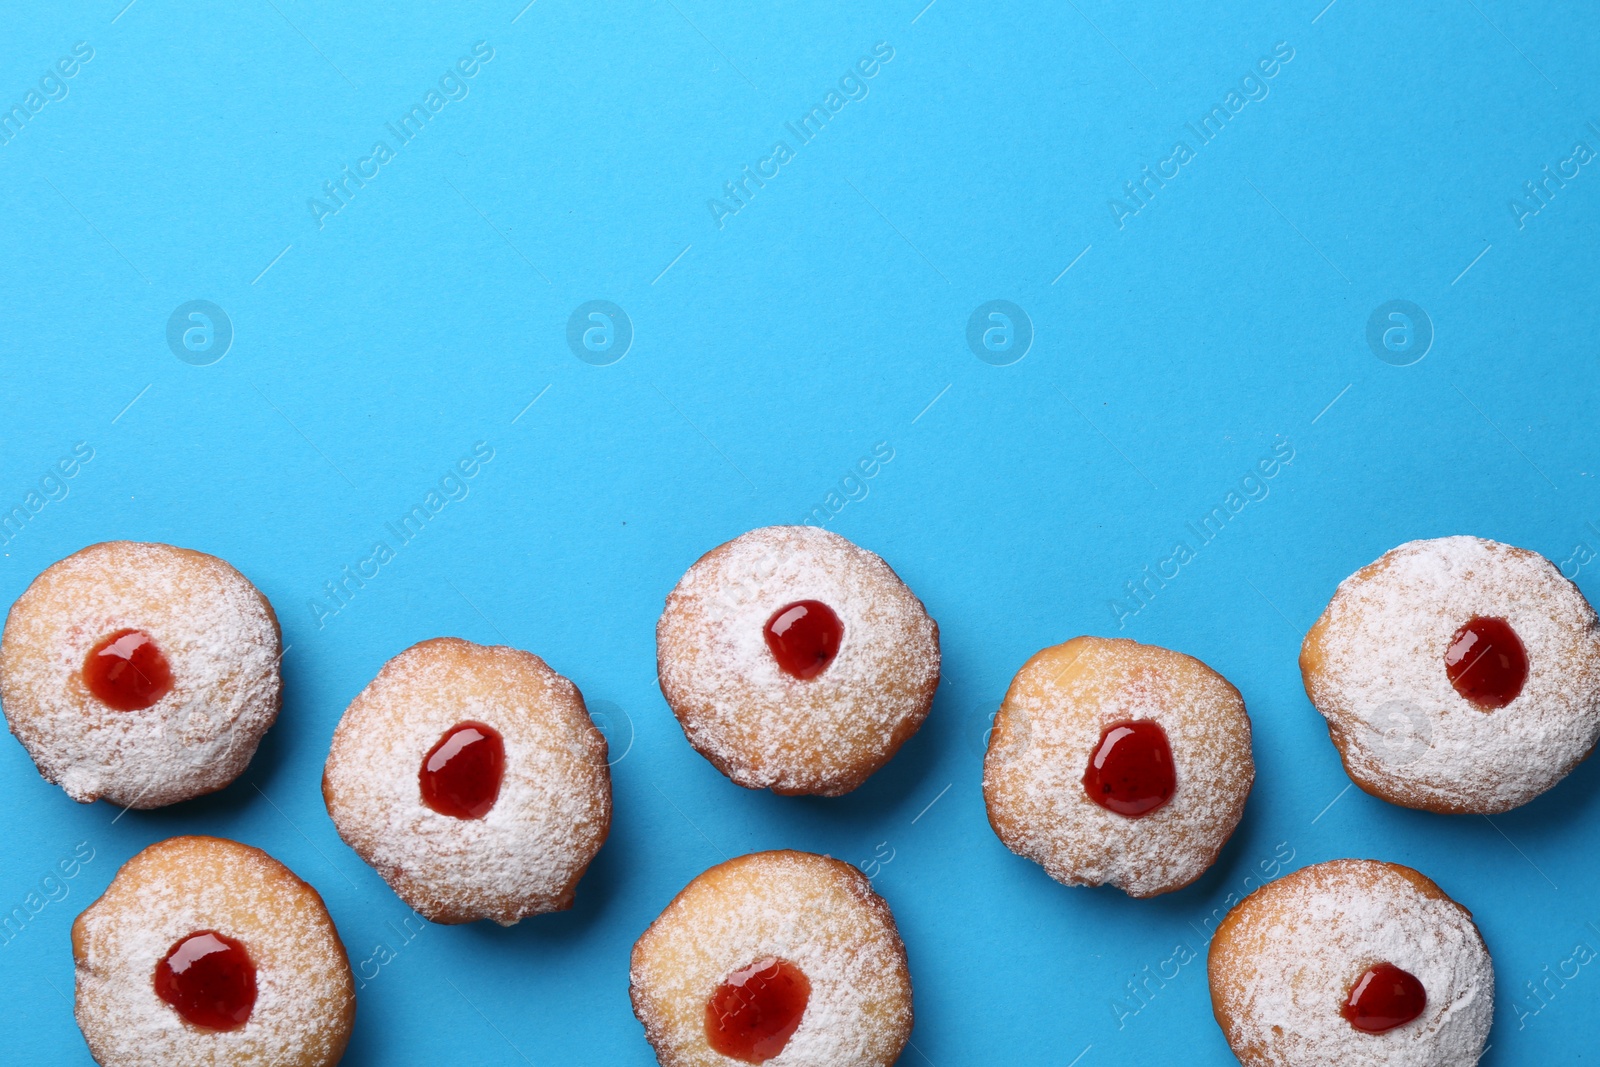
{"type": "Point", "coordinates": [769, 355]}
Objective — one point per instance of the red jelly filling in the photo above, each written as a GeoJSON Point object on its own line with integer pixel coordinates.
{"type": "Point", "coordinates": [1383, 998]}
{"type": "Point", "coordinates": [126, 671]}
{"type": "Point", "coordinates": [755, 1011]}
{"type": "Point", "coordinates": [209, 979]}
{"type": "Point", "coordinates": [1486, 662]}
{"type": "Point", "coordinates": [461, 775]}
{"type": "Point", "coordinates": [804, 637]}
{"type": "Point", "coordinates": [1131, 772]}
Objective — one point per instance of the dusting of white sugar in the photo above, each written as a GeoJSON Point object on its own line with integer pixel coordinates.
{"type": "Point", "coordinates": [815, 912]}
{"type": "Point", "coordinates": [218, 634]}
{"type": "Point", "coordinates": [1374, 666]}
{"type": "Point", "coordinates": [762, 727]}
{"type": "Point", "coordinates": [553, 811]}
{"type": "Point", "coordinates": [305, 996]}
{"type": "Point", "coordinates": [1284, 961]}
{"type": "Point", "coordinates": [1048, 729]}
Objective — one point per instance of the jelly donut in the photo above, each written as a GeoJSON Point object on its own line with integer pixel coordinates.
{"type": "Point", "coordinates": [1457, 675]}
{"type": "Point", "coordinates": [472, 779]}
{"type": "Point", "coordinates": [141, 673]}
{"type": "Point", "coordinates": [796, 661]}
{"type": "Point", "coordinates": [1357, 963]}
{"type": "Point", "coordinates": [1116, 762]}
{"type": "Point", "coordinates": [781, 956]}
{"type": "Point", "coordinates": [203, 952]}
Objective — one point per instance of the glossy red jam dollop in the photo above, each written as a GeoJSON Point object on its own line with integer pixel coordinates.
{"type": "Point", "coordinates": [461, 775]}
{"type": "Point", "coordinates": [1383, 998]}
{"type": "Point", "coordinates": [126, 671]}
{"type": "Point", "coordinates": [209, 979]}
{"type": "Point", "coordinates": [1486, 662]}
{"type": "Point", "coordinates": [1131, 772]}
{"type": "Point", "coordinates": [755, 1011]}
{"type": "Point", "coordinates": [804, 637]}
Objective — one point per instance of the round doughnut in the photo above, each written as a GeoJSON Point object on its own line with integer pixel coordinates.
{"type": "Point", "coordinates": [796, 661]}
{"type": "Point", "coordinates": [472, 779]}
{"type": "Point", "coordinates": [1457, 675]}
{"type": "Point", "coordinates": [141, 673]}
{"type": "Point", "coordinates": [1121, 763]}
{"type": "Point", "coordinates": [205, 952]}
{"type": "Point", "coordinates": [786, 957]}
{"type": "Point", "coordinates": [1357, 963]}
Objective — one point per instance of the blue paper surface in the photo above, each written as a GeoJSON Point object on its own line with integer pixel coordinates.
{"type": "Point", "coordinates": [767, 318]}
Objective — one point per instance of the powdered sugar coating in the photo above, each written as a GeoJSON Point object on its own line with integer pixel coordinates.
{"type": "Point", "coordinates": [813, 911]}
{"type": "Point", "coordinates": [1284, 960]}
{"type": "Point", "coordinates": [215, 629]}
{"type": "Point", "coordinates": [1047, 730]}
{"type": "Point", "coordinates": [1374, 666]}
{"type": "Point", "coordinates": [305, 994]}
{"type": "Point", "coordinates": [762, 727]}
{"type": "Point", "coordinates": [554, 807]}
